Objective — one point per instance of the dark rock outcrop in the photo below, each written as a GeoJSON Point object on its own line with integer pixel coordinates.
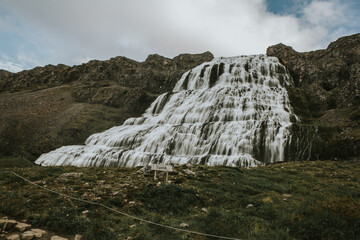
{"type": "Point", "coordinates": [327, 95]}
{"type": "Point", "coordinates": [47, 107]}
{"type": "Point", "coordinates": [156, 74]}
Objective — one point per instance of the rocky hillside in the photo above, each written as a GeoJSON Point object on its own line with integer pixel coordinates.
{"type": "Point", "coordinates": [47, 107]}
{"type": "Point", "coordinates": [327, 95]}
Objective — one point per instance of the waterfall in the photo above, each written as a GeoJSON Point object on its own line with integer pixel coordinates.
{"type": "Point", "coordinates": [232, 111]}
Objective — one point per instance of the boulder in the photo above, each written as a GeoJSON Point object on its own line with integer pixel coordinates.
{"type": "Point", "coordinates": [13, 237]}
{"type": "Point", "coordinates": [28, 235]}
{"type": "Point", "coordinates": [38, 232]}
{"type": "Point", "coordinates": [8, 224]}
{"type": "Point", "coordinates": [57, 238]}
{"type": "Point", "coordinates": [22, 226]}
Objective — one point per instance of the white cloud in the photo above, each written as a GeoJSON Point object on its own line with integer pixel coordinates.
{"type": "Point", "coordinates": [325, 13]}
{"type": "Point", "coordinates": [70, 31]}
{"type": "Point", "coordinates": [9, 64]}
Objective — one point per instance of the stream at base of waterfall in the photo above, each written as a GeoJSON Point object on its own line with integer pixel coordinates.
{"type": "Point", "coordinates": [231, 111]}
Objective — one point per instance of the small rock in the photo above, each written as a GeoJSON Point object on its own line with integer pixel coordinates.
{"type": "Point", "coordinates": [189, 172]}
{"type": "Point", "coordinates": [131, 202]}
{"type": "Point", "coordinates": [132, 226]}
{"type": "Point", "coordinates": [58, 238]}
{"type": "Point", "coordinates": [85, 212]}
{"type": "Point", "coordinates": [78, 237]}
{"type": "Point", "coordinates": [13, 237]}
{"type": "Point", "coordinates": [184, 225]}
{"type": "Point", "coordinates": [249, 206]}
{"type": "Point", "coordinates": [38, 232]}
{"type": "Point", "coordinates": [2, 223]}
{"type": "Point", "coordinates": [204, 210]}
{"type": "Point", "coordinates": [22, 226]}
{"type": "Point", "coordinates": [286, 195]}
{"type": "Point", "coordinates": [71, 174]}
{"type": "Point", "coordinates": [9, 224]}
{"type": "Point", "coordinates": [28, 235]}
{"type": "Point", "coordinates": [284, 199]}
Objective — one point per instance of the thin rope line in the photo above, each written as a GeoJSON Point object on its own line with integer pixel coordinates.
{"type": "Point", "coordinates": [119, 212]}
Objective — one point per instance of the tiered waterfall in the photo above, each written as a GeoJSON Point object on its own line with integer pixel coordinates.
{"type": "Point", "coordinates": [230, 111]}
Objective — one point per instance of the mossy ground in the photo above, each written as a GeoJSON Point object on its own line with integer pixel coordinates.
{"type": "Point", "coordinates": [297, 200]}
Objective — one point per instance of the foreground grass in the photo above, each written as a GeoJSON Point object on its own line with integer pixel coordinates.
{"type": "Point", "coordinates": [297, 200]}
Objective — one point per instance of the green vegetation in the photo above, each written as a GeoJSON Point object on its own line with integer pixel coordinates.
{"type": "Point", "coordinates": [297, 200]}
{"type": "Point", "coordinates": [14, 162]}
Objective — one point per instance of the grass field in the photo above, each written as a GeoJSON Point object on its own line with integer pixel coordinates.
{"type": "Point", "coordinates": [295, 200]}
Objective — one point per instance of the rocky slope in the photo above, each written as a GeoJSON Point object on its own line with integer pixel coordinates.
{"type": "Point", "coordinates": [51, 106]}
{"type": "Point", "coordinates": [327, 95]}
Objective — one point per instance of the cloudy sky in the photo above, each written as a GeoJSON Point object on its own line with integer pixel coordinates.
{"type": "Point", "coordinates": [39, 32]}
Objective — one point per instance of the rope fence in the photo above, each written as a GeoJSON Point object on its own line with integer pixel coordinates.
{"type": "Point", "coordinates": [119, 212]}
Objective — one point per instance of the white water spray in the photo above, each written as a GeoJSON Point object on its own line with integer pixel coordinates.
{"type": "Point", "coordinates": [229, 111]}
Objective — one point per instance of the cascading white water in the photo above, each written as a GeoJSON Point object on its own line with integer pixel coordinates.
{"type": "Point", "coordinates": [231, 111]}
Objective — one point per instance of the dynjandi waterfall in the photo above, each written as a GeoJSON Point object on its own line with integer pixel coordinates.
{"type": "Point", "coordinates": [231, 111]}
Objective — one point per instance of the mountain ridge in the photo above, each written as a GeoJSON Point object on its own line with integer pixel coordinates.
{"type": "Point", "coordinates": [51, 106]}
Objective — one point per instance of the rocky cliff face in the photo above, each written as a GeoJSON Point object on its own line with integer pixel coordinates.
{"type": "Point", "coordinates": [47, 107]}
{"type": "Point", "coordinates": [327, 95]}
{"type": "Point", "coordinates": [51, 106]}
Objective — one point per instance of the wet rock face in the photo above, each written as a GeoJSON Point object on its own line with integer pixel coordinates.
{"type": "Point", "coordinates": [326, 96]}
{"type": "Point", "coordinates": [331, 75]}
{"type": "Point", "coordinates": [156, 74]}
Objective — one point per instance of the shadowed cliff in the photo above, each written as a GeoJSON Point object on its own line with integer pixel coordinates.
{"type": "Point", "coordinates": [327, 95]}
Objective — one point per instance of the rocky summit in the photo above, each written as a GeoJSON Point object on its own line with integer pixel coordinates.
{"type": "Point", "coordinates": [327, 95]}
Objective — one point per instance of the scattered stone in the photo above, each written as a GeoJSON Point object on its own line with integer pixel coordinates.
{"type": "Point", "coordinates": [115, 193]}
{"type": "Point", "coordinates": [249, 206]}
{"type": "Point", "coordinates": [85, 212]}
{"type": "Point", "coordinates": [28, 235]}
{"type": "Point", "coordinates": [13, 237]}
{"type": "Point", "coordinates": [22, 226]}
{"type": "Point", "coordinates": [285, 200]}
{"type": "Point", "coordinates": [204, 210]}
{"type": "Point", "coordinates": [189, 172]}
{"type": "Point", "coordinates": [286, 195]}
{"type": "Point", "coordinates": [78, 237]}
{"type": "Point", "coordinates": [2, 223]}
{"type": "Point", "coordinates": [58, 238]}
{"type": "Point", "coordinates": [9, 224]}
{"type": "Point", "coordinates": [131, 202]}
{"type": "Point", "coordinates": [184, 225]}
{"type": "Point", "coordinates": [38, 232]}
{"type": "Point", "coordinates": [132, 226]}
{"type": "Point", "coordinates": [71, 174]}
